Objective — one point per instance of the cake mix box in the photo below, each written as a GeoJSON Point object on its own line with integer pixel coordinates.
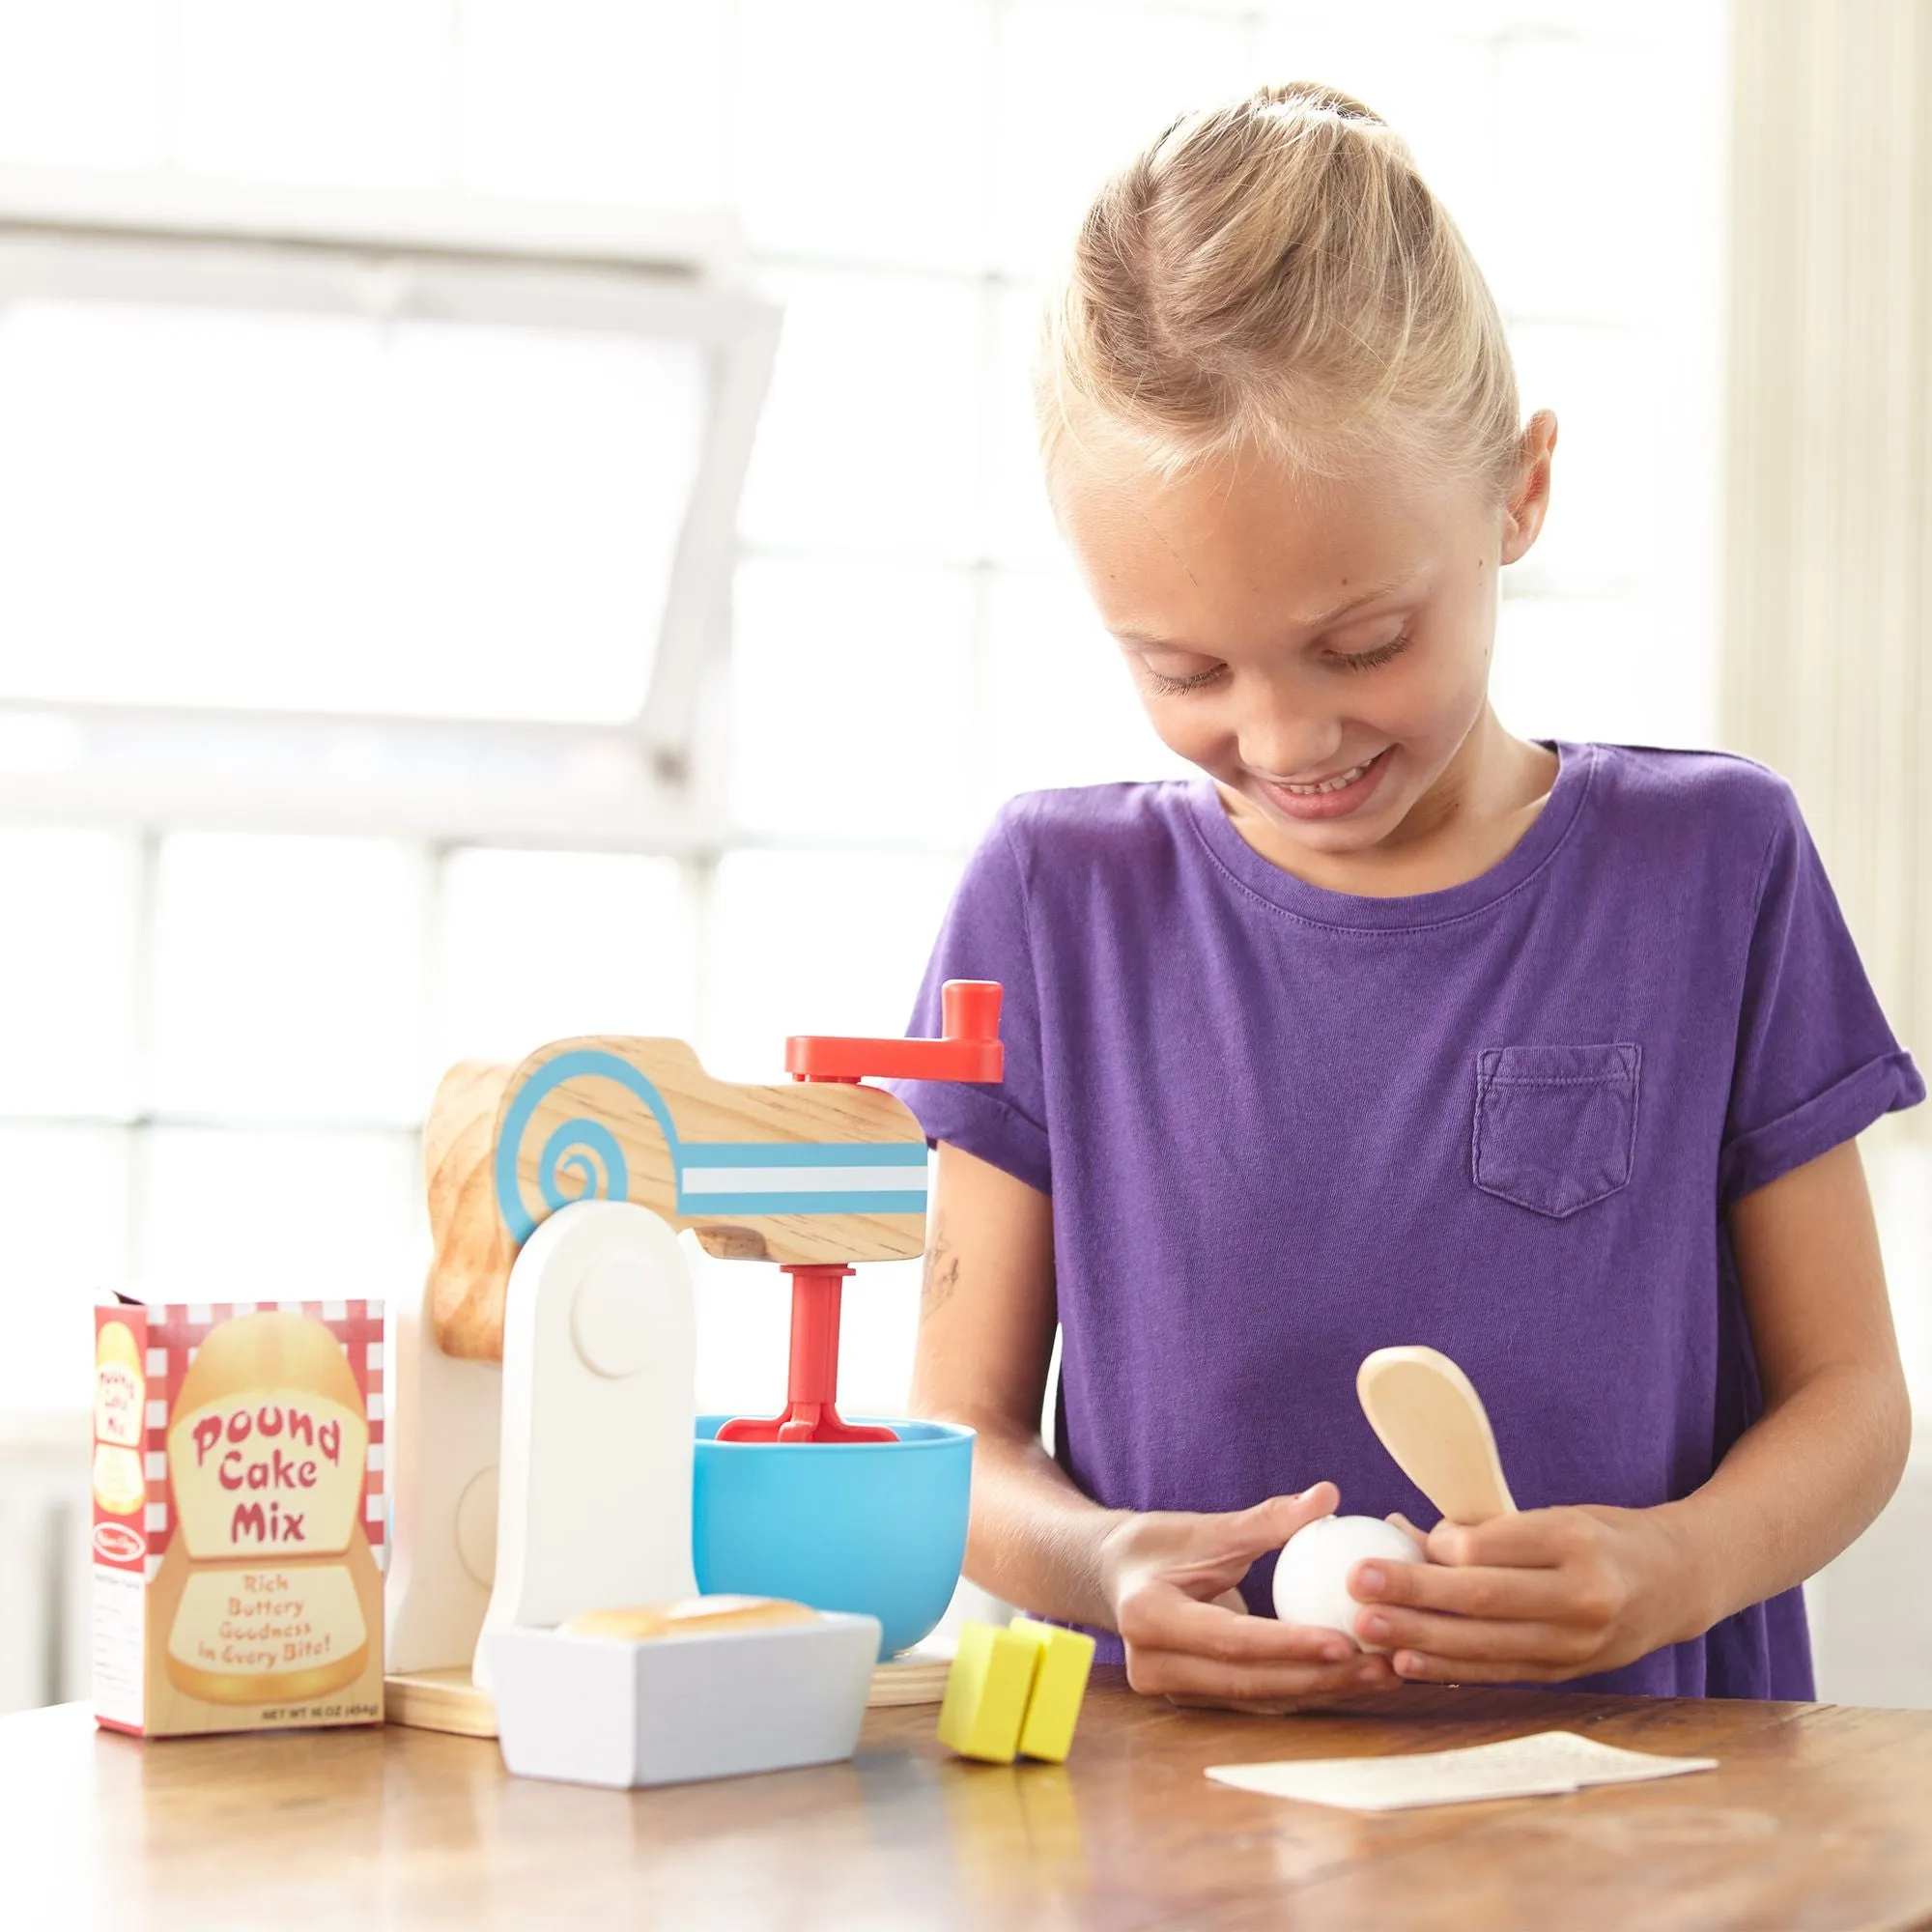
{"type": "Point", "coordinates": [238, 1515]}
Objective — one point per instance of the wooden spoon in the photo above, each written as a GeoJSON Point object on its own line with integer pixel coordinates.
{"type": "Point", "coordinates": [1433, 1422]}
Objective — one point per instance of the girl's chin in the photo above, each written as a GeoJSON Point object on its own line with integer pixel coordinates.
{"type": "Point", "coordinates": [1327, 834]}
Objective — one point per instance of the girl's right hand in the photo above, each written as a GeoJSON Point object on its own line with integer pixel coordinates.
{"type": "Point", "coordinates": [1172, 1578]}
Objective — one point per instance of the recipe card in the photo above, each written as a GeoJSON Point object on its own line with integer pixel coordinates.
{"type": "Point", "coordinates": [1546, 1763]}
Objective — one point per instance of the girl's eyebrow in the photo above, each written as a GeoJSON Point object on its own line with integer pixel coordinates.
{"type": "Point", "coordinates": [1373, 594]}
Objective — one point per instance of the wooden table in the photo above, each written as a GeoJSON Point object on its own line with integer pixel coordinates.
{"type": "Point", "coordinates": [1820, 1816]}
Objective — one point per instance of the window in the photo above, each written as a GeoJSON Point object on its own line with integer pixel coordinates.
{"type": "Point", "coordinates": [338, 513]}
{"type": "Point", "coordinates": [494, 784]}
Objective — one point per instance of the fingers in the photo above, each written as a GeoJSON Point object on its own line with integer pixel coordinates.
{"type": "Point", "coordinates": [1166, 1618]}
{"type": "Point", "coordinates": [1465, 1640]}
{"type": "Point", "coordinates": [1205, 1554]}
{"type": "Point", "coordinates": [1506, 1595]}
{"type": "Point", "coordinates": [1180, 1675]}
{"type": "Point", "coordinates": [1529, 1539]}
{"type": "Point", "coordinates": [1266, 1526]}
{"type": "Point", "coordinates": [1194, 1643]}
{"type": "Point", "coordinates": [1533, 1597]}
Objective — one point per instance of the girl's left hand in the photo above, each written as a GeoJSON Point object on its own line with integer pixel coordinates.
{"type": "Point", "coordinates": [1535, 1597]}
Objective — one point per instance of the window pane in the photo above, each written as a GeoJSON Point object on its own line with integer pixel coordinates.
{"type": "Point", "coordinates": [818, 942]}
{"type": "Point", "coordinates": [852, 701]}
{"type": "Point", "coordinates": [316, 90]}
{"type": "Point", "coordinates": [66, 972]}
{"type": "Point", "coordinates": [861, 129]}
{"type": "Point", "coordinates": [537, 946]}
{"type": "Point", "coordinates": [1068, 714]}
{"type": "Point", "coordinates": [595, 100]}
{"type": "Point", "coordinates": [1055, 137]}
{"type": "Point", "coordinates": [64, 1196]}
{"type": "Point", "coordinates": [83, 81]}
{"type": "Point", "coordinates": [323, 512]}
{"type": "Point", "coordinates": [871, 440]}
{"type": "Point", "coordinates": [269, 1216]}
{"type": "Point", "coordinates": [289, 979]}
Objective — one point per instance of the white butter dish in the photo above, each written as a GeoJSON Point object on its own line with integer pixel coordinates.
{"type": "Point", "coordinates": [616, 1711]}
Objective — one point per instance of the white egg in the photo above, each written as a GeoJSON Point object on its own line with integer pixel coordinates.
{"type": "Point", "coordinates": [1311, 1574]}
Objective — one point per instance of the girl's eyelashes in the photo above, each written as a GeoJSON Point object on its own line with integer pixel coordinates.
{"type": "Point", "coordinates": [1169, 686]}
{"type": "Point", "coordinates": [1382, 654]}
{"type": "Point", "coordinates": [1369, 660]}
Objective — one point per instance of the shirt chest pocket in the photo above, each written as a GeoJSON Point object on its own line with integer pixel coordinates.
{"type": "Point", "coordinates": [1555, 1127]}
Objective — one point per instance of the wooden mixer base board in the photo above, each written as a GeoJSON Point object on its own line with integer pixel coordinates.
{"type": "Point", "coordinates": [446, 1700]}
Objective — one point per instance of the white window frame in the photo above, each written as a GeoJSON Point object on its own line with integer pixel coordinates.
{"type": "Point", "coordinates": [653, 781]}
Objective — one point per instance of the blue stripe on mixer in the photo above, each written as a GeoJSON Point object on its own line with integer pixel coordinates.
{"type": "Point", "coordinates": [796, 1154]}
{"type": "Point", "coordinates": [900, 1201]}
{"type": "Point", "coordinates": [765, 1163]}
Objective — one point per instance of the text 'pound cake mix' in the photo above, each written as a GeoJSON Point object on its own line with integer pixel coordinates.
{"type": "Point", "coordinates": [238, 1515]}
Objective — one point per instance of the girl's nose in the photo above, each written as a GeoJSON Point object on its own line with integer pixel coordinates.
{"type": "Point", "coordinates": [1282, 745]}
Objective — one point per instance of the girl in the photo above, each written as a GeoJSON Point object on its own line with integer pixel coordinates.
{"type": "Point", "coordinates": [1393, 1028]}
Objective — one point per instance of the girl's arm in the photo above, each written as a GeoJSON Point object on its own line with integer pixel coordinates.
{"type": "Point", "coordinates": [1165, 1581]}
{"type": "Point", "coordinates": [1564, 1592]}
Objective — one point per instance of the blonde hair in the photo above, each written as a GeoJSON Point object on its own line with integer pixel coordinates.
{"type": "Point", "coordinates": [1274, 274]}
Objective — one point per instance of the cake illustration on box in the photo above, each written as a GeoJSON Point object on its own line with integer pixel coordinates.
{"type": "Point", "coordinates": [238, 1587]}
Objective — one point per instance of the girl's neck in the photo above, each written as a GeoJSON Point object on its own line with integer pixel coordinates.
{"type": "Point", "coordinates": [1486, 798]}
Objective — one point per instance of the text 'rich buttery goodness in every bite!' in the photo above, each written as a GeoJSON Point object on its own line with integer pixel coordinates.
{"type": "Point", "coordinates": [238, 1515]}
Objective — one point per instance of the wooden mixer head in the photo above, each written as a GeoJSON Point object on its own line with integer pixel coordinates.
{"type": "Point", "coordinates": [816, 1173]}
{"type": "Point", "coordinates": [797, 1174]}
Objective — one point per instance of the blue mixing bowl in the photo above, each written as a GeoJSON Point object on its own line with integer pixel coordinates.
{"type": "Point", "coordinates": [874, 1527]}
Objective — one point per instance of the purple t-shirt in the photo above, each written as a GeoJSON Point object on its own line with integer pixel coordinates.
{"type": "Point", "coordinates": [1283, 1127]}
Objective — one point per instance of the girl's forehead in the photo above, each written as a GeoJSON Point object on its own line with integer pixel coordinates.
{"type": "Point", "coordinates": [1244, 527]}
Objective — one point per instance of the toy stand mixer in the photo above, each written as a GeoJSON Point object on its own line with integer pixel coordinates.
{"type": "Point", "coordinates": [547, 1456]}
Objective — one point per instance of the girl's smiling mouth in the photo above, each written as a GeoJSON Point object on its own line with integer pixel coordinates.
{"type": "Point", "coordinates": [1332, 797]}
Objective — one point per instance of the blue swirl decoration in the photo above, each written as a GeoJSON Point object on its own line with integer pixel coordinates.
{"type": "Point", "coordinates": [584, 1151]}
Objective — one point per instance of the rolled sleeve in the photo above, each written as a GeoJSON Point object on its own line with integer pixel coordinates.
{"type": "Point", "coordinates": [1844, 1111]}
{"type": "Point", "coordinates": [1816, 1061]}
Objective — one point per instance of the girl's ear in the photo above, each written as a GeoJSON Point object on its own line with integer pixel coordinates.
{"type": "Point", "coordinates": [1529, 499]}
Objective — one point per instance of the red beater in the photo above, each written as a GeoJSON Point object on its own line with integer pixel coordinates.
{"type": "Point", "coordinates": [968, 1049]}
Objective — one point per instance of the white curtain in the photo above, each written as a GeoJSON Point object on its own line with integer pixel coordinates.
{"type": "Point", "coordinates": [1829, 570]}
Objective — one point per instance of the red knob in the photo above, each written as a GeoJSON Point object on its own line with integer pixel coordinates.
{"type": "Point", "coordinates": [970, 1049]}
{"type": "Point", "coordinates": [970, 1008]}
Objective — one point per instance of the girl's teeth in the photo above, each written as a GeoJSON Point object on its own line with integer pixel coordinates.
{"type": "Point", "coordinates": [1336, 783]}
